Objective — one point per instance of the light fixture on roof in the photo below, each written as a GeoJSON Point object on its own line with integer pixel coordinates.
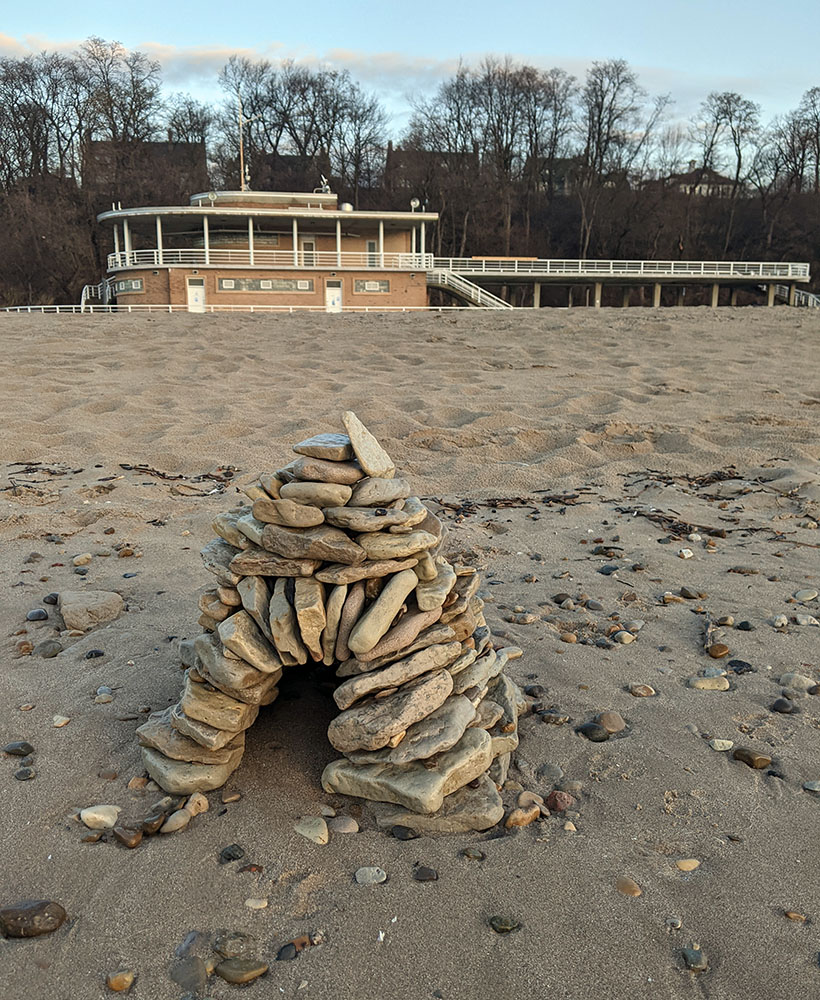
{"type": "Point", "coordinates": [414, 204]}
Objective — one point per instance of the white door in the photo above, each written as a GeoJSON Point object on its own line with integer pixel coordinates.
{"type": "Point", "coordinates": [196, 295]}
{"type": "Point", "coordinates": [372, 250]}
{"type": "Point", "coordinates": [308, 253]}
{"type": "Point", "coordinates": [333, 296]}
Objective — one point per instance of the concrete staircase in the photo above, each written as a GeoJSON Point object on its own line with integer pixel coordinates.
{"type": "Point", "coordinates": [467, 291]}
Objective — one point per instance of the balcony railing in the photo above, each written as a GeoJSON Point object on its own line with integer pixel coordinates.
{"type": "Point", "coordinates": [508, 266]}
{"type": "Point", "coordinates": [284, 259]}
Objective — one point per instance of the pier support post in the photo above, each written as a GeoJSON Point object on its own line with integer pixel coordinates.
{"type": "Point", "coordinates": [656, 296]}
{"type": "Point", "coordinates": [599, 288]}
{"type": "Point", "coordinates": [536, 296]}
{"type": "Point", "coordinates": [733, 297]}
{"type": "Point", "coordinates": [792, 296]}
{"type": "Point", "coordinates": [770, 295]}
{"type": "Point", "coordinates": [569, 297]}
{"type": "Point", "coordinates": [679, 296]}
{"type": "Point", "coordinates": [715, 293]}
{"type": "Point", "coordinates": [625, 296]}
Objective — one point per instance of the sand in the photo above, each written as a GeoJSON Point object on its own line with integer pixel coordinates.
{"type": "Point", "coordinates": [540, 435]}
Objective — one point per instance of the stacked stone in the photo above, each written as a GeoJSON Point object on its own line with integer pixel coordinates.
{"type": "Point", "coordinates": [336, 562]}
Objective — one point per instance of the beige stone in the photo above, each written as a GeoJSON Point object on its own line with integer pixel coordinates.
{"type": "Point", "coordinates": [217, 556]}
{"type": "Point", "coordinates": [434, 734]}
{"type": "Point", "coordinates": [180, 778]}
{"type": "Point", "coordinates": [467, 809]}
{"type": "Point", "coordinates": [210, 605]}
{"type": "Point", "coordinates": [363, 519]}
{"type": "Point", "coordinates": [427, 637]}
{"type": "Point", "coordinates": [259, 562]}
{"type": "Point", "coordinates": [84, 609]}
{"type": "Point", "coordinates": [205, 703]}
{"type": "Point", "coordinates": [396, 674]}
{"type": "Point", "coordinates": [210, 737]}
{"type": "Point", "coordinates": [415, 786]}
{"type": "Point", "coordinates": [383, 545]}
{"type": "Point", "coordinates": [415, 512]}
{"type": "Point", "coordinates": [468, 656]}
{"type": "Point", "coordinates": [242, 635]}
{"type": "Point", "coordinates": [284, 627]}
{"type": "Point", "coordinates": [252, 490]}
{"type": "Point", "coordinates": [288, 513]}
{"type": "Point", "coordinates": [229, 596]}
{"type": "Point", "coordinates": [271, 484]}
{"type": "Point", "coordinates": [333, 613]}
{"type": "Point", "coordinates": [251, 528]}
{"type": "Point", "coordinates": [341, 573]}
{"type": "Point", "coordinates": [403, 634]}
{"type": "Point", "coordinates": [379, 492]}
{"type": "Point", "coordinates": [158, 733]}
{"type": "Point", "coordinates": [370, 724]}
{"type": "Point", "coordinates": [323, 542]}
{"type": "Point", "coordinates": [317, 470]}
{"type": "Point", "coordinates": [488, 712]}
{"type": "Point", "coordinates": [352, 609]}
{"type": "Point", "coordinates": [206, 622]}
{"type": "Point", "coordinates": [426, 569]}
{"type": "Point", "coordinates": [431, 594]}
{"type": "Point", "coordinates": [479, 673]}
{"type": "Point", "coordinates": [234, 677]}
{"type": "Point", "coordinates": [372, 457]}
{"type": "Point", "coordinates": [379, 617]}
{"type": "Point", "coordinates": [255, 595]}
{"type": "Point", "coordinates": [329, 446]}
{"type": "Point", "coordinates": [506, 693]}
{"type": "Point", "coordinates": [225, 525]}
{"type": "Point", "coordinates": [317, 494]}
{"type": "Point", "coordinates": [309, 604]}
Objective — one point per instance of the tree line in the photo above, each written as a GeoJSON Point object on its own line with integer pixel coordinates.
{"type": "Point", "coordinates": [518, 160]}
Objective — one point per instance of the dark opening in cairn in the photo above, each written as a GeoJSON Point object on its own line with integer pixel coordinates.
{"type": "Point", "coordinates": [336, 562]}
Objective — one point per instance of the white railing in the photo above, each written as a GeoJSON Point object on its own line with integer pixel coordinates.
{"type": "Point", "coordinates": [466, 290]}
{"type": "Point", "coordinates": [324, 259]}
{"type": "Point", "coordinates": [102, 292]}
{"type": "Point", "coordinates": [210, 308]}
{"type": "Point", "coordinates": [801, 298]}
{"type": "Point", "coordinates": [504, 266]}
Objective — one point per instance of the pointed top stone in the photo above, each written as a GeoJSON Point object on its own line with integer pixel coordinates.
{"type": "Point", "coordinates": [372, 457]}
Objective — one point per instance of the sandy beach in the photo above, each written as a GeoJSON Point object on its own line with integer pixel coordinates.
{"type": "Point", "coordinates": [556, 445]}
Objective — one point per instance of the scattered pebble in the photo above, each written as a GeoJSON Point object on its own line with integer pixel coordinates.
{"type": "Point", "coordinates": [343, 824]}
{"type": "Point", "coordinates": [31, 918]}
{"type": "Point", "coordinates": [403, 832]}
{"type": "Point", "coordinates": [255, 903]}
{"type": "Point", "coordinates": [190, 973]}
{"type": "Point", "coordinates": [687, 864]}
{"type": "Point", "coordinates": [812, 786]}
{"type": "Point", "coordinates": [82, 560]}
{"type": "Point", "coordinates": [233, 852]}
{"type": "Point", "coordinates": [424, 874]}
{"type": "Point", "coordinates": [48, 648]}
{"type": "Point", "coordinates": [128, 836]}
{"type": "Point", "coordinates": [593, 732]}
{"type": "Point", "coordinates": [799, 918]}
{"type": "Point", "coordinates": [695, 959]}
{"type": "Point", "coordinates": [718, 650]}
{"type": "Point", "coordinates": [51, 598]}
{"type": "Point", "coordinates": [721, 745]}
{"type": "Point", "coordinates": [627, 886]}
{"type": "Point", "coordinates": [370, 876]}
{"type": "Point", "coordinates": [94, 654]}
{"type": "Point", "coordinates": [102, 817]}
{"type": "Point", "coordinates": [805, 595]}
{"type": "Point", "coordinates": [784, 706]}
{"type": "Point", "coordinates": [559, 801]}
{"type": "Point", "coordinates": [228, 797]}
{"type": "Point", "coordinates": [623, 637]}
{"type": "Point", "coordinates": [709, 683]}
{"type": "Point", "coordinates": [611, 721]}
{"type": "Point", "coordinates": [753, 758]}
{"type": "Point", "coordinates": [37, 615]}
{"type": "Point", "coordinates": [176, 821]}
{"type": "Point", "coordinates": [19, 748]}
{"type": "Point", "coordinates": [522, 817]}
{"type": "Point", "coordinates": [504, 924]}
{"type": "Point", "coordinates": [313, 828]}
{"type": "Point", "coordinates": [642, 690]}
{"type": "Point", "coordinates": [120, 981]}
{"type": "Point", "coordinates": [568, 637]}
{"type": "Point", "coordinates": [60, 720]}
{"type": "Point", "coordinates": [25, 773]}
{"type": "Point", "coordinates": [473, 854]}
{"type": "Point", "coordinates": [685, 553]}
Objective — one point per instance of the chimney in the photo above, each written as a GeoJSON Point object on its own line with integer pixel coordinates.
{"type": "Point", "coordinates": [692, 165]}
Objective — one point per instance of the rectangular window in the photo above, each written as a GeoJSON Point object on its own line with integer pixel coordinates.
{"type": "Point", "coordinates": [129, 285]}
{"type": "Point", "coordinates": [362, 285]}
{"type": "Point", "coordinates": [265, 285]}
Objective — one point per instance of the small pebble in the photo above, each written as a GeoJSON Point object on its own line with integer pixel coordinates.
{"type": "Point", "coordinates": [753, 758]}
{"type": "Point", "coordinates": [784, 706]}
{"type": "Point", "coordinates": [424, 874]}
{"type": "Point", "coordinates": [523, 817]}
{"type": "Point", "coordinates": [559, 801]}
{"type": "Point", "coordinates": [718, 650]}
{"type": "Point", "coordinates": [504, 924]}
{"type": "Point", "coordinates": [642, 691]}
{"type": "Point", "coordinates": [370, 875]}
{"type": "Point", "coordinates": [745, 626]}
{"type": "Point", "coordinates": [228, 797]}
{"type": "Point", "coordinates": [403, 832]}
{"type": "Point", "coordinates": [128, 836]}
{"type": "Point", "coordinates": [37, 615]}
{"type": "Point", "coordinates": [593, 732]}
{"type": "Point", "coordinates": [709, 683]}
{"type": "Point", "coordinates": [695, 960]}
{"type": "Point", "coordinates": [94, 654]}
{"type": "Point", "coordinates": [721, 745]}
{"type": "Point", "coordinates": [805, 595]}
{"type": "Point", "coordinates": [811, 786]}
{"type": "Point", "coordinates": [51, 598]}
{"type": "Point", "coordinates": [628, 887]}
{"type": "Point", "coordinates": [685, 553]}
{"type": "Point", "coordinates": [313, 828]}
{"type": "Point", "coordinates": [343, 824]}
{"type": "Point", "coordinates": [623, 637]}
{"type": "Point", "coordinates": [687, 864]}
{"type": "Point", "coordinates": [233, 852]}
{"type": "Point", "coordinates": [103, 699]}
{"type": "Point", "coordinates": [241, 970]}
{"type": "Point", "coordinates": [102, 817]}
{"type": "Point", "coordinates": [673, 923]}
{"type": "Point", "coordinates": [82, 560]}
{"type": "Point", "coordinates": [799, 918]}
{"type": "Point", "coordinates": [60, 720]}
{"type": "Point", "coordinates": [568, 637]}
{"type": "Point", "coordinates": [287, 953]}
{"type": "Point", "coordinates": [25, 773]}
{"type": "Point", "coordinates": [255, 903]}
{"type": "Point", "coordinates": [473, 854]}
{"type": "Point", "coordinates": [19, 748]}
{"type": "Point", "coordinates": [120, 981]}
{"type": "Point", "coordinates": [611, 721]}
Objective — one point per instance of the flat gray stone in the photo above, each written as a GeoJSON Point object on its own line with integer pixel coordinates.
{"type": "Point", "coordinates": [363, 519]}
{"type": "Point", "coordinates": [351, 610]}
{"type": "Point", "coordinates": [378, 492]}
{"type": "Point", "coordinates": [333, 614]}
{"type": "Point", "coordinates": [378, 618]}
{"type": "Point", "coordinates": [226, 526]}
{"type": "Point", "coordinates": [342, 573]}
{"type": "Point", "coordinates": [217, 556]}
{"type": "Point", "coordinates": [383, 545]}
{"type": "Point", "coordinates": [324, 542]}
{"type": "Point", "coordinates": [464, 810]}
{"type": "Point", "coordinates": [85, 609]}
{"type": "Point", "coordinates": [332, 447]}
{"type": "Point", "coordinates": [416, 786]}
{"type": "Point", "coordinates": [285, 628]}
{"type": "Point", "coordinates": [317, 470]}
{"type": "Point", "coordinates": [242, 635]}
{"type": "Point", "coordinates": [202, 733]}
{"type": "Point", "coordinates": [180, 778]}
{"type": "Point", "coordinates": [434, 734]}
{"type": "Point", "coordinates": [427, 637]}
{"type": "Point", "coordinates": [255, 594]}
{"type": "Point", "coordinates": [371, 724]}
{"type": "Point", "coordinates": [309, 605]}
{"type": "Point", "coordinates": [396, 674]}
{"type": "Point", "coordinates": [317, 494]}
{"type": "Point", "coordinates": [259, 562]}
{"type": "Point", "coordinates": [205, 703]}
{"type": "Point", "coordinates": [431, 594]}
{"type": "Point", "coordinates": [403, 634]}
{"type": "Point", "coordinates": [158, 733]}
{"type": "Point", "coordinates": [287, 512]}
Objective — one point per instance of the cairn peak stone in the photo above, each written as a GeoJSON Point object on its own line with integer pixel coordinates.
{"type": "Point", "coordinates": [371, 456]}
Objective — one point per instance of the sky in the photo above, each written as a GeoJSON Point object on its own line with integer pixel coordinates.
{"type": "Point", "coordinates": [686, 48]}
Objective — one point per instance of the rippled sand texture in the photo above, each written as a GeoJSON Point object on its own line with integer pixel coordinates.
{"type": "Point", "coordinates": [534, 398]}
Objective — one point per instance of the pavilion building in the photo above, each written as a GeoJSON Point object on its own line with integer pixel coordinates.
{"type": "Point", "coordinates": [265, 248]}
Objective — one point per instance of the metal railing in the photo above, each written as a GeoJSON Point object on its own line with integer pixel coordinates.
{"type": "Point", "coordinates": [211, 308]}
{"type": "Point", "coordinates": [801, 298]}
{"type": "Point", "coordinates": [466, 290]}
{"type": "Point", "coordinates": [285, 259]}
{"type": "Point", "coordinates": [502, 266]}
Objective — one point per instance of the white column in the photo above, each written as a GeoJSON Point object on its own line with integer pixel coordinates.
{"type": "Point", "coordinates": [536, 296]}
{"type": "Point", "coordinates": [381, 243]}
{"type": "Point", "coordinates": [159, 239]}
{"type": "Point", "coordinates": [117, 239]}
{"type": "Point", "coordinates": [250, 240]}
{"type": "Point", "coordinates": [206, 239]}
{"type": "Point", "coordinates": [413, 240]}
{"type": "Point", "coordinates": [126, 234]}
{"type": "Point", "coordinates": [295, 243]}
{"type": "Point", "coordinates": [421, 238]}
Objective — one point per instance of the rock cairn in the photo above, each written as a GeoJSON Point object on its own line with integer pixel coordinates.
{"type": "Point", "coordinates": [336, 562]}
